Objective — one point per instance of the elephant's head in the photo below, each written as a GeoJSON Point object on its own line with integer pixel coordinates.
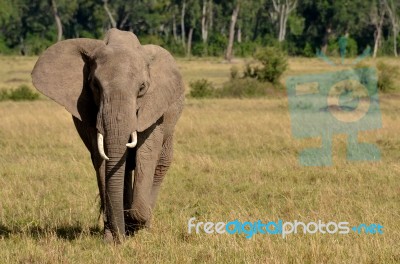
{"type": "Point", "coordinates": [116, 85]}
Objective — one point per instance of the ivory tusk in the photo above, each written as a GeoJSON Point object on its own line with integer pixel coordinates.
{"type": "Point", "coordinates": [100, 146]}
{"type": "Point", "coordinates": [134, 140]}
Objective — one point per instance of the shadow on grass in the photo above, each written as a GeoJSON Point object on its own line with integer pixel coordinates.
{"type": "Point", "coordinates": [4, 231]}
{"type": "Point", "coordinates": [66, 232]}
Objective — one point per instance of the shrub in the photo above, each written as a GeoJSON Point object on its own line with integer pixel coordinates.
{"type": "Point", "coordinates": [4, 95]}
{"type": "Point", "coordinates": [34, 44]}
{"type": "Point", "coordinates": [22, 93]}
{"type": "Point", "coordinates": [176, 48]}
{"type": "Point", "coordinates": [201, 89]}
{"type": "Point", "coordinates": [244, 88]}
{"type": "Point", "coordinates": [199, 49]}
{"type": "Point", "coordinates": [274, 64]}
{"type": "Point", "coordinates": [386, 76]}
{"type": "Point", "coordinates": [251, 70]}
{"type": "Point", "coordinates": [245, 49]}
{"type": "Point", "coordinates": [234, 72]}
{"type": "Point", "coordinates": [386, 47]}
{"type": "Point", "coordinates": [308, 51]}
{"type": "Point", "coordinates": [152, 39]}
{"type": "Point", "coordinates": [351, 48]}
{"type": "Point", "coordinates": [334, 49]}
{"type": "Point", "coordinates": [234, 88]}
{"type": "Point", "coordinates": [4, 49]}
{"type": "Point", "coordinates": [291, 48]}
{"type": "Point", "coordinates": [217, 45]}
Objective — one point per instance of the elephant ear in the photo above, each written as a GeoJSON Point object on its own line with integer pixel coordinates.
{"type": "Point", "coordinates": [61, 73]}
{"type": "Point", "coordinates": [166, 86]}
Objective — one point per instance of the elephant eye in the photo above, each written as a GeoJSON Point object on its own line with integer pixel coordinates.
{"type": "Point", "coordinates": [142, 88]}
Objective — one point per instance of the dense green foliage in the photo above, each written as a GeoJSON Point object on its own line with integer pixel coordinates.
{"type": "Point", "coordinates": [201, 89]}
{"type": "Point", "coordinates": [258, 78]}
{"type": "Point", "coordinates": [22, 93]}
{"type": "Point", "coordinates": [273, 64]}
{"type": "Point", "coordinates": [27, 27]}
{"type": "Point", "coordinates": [234, 88]}
{"type": "Point", "coordinates": [244, 88]}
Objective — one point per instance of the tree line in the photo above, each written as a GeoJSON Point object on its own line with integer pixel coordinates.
{"type": "Point", "coordinates": [207, 27]}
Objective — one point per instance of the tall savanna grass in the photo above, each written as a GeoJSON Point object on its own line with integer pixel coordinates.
{"type": "Point", "coordinates": [234, 159]}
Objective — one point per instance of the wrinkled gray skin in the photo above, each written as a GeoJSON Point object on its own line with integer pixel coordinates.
{"type": "Point", "coordinates": [115, 87]}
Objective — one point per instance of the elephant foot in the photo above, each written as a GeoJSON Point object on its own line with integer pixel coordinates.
{"type": "Point", "coordinates": [107, 236]}
{"type": "Point", "coordinates": [133, 225]}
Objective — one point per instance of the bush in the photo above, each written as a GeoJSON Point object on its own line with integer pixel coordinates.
{"type": "Point", "coordinates": [4, 49]}
{"type": "Point", "coordinates": [22, 93]}
{"type": "Point", "coordinates": [4, 95]}
{"type": "Point", "coordinates": [244, 88]}
{"type": "Point", "coordinates": [152, 39]}
{"type": "Point", "coordinates": [234, 72]}
{"type": "Point", "coordinates": [308, 51]}
{"type": "Point", "coordinates": [217, 45]}
{"type": "Point", "coordinates": [274, 64]}
{"type": "Point", "coordinates": [245, 49]}
{"type": "Point", "coordinates": [386, 76]}
{"type": "Point", "coordinates": [199, 49]}
{"type": "Point", "coordinates": [333, 47]}
{"type": "Point", "coordinates": [201, 89]}
{"type": "Point", "coordinates": [176, 48]}
{"type": "Point", "coordinates": [234, 88]}
{"type": "Point", "coordinates": [386, 47]}
{"type": "Point", "coordinates": [251, 70]}
{"type": "Point", "coordinates": [351, 47]}
{"type": "Point", "coordinates": [34, 44]}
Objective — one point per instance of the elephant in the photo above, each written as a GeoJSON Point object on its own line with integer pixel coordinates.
{"type": "Point", "coordinates": [125, 100]}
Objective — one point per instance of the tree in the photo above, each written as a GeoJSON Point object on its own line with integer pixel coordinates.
{"type": "Point", "coordinates": [283, 8]}
{"type": "Point", "coordinates": [392, 8]}
{"type": "Point", "coordinates": [175, 34]}
{"type": "Point", "coordinates": [57, 19]}
{"type": "Point", "coordinates": [183, 23]}
{"type": "Point", "coordinates": [325, 20]}
{"type": "Point", "coordinates": [205, 20]}
{"type": "Point", "coordinates": [229, 50]}
{"type": "Point", "coordinates": [377, 15]}
{"type": "Point", "coordinates": [192, 16]}
{"type": "Point", "coordinates": [209, 26]}
{"type": "Point", "coordinates": [110, 16]}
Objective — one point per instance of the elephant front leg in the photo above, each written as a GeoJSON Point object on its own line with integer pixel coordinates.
{"type": "Point", "coordinates": [88, 135]}
{"type": "Point", "coordinates": [101, 175]}
{"type": "Point", "coordinates": [163, 165]}
{"type": "Point", "coordinates": [128, 190]}
{"type": "Point", "coordinates": [147, 155]}
{"type": "Point", "coordinates": [100, 167]}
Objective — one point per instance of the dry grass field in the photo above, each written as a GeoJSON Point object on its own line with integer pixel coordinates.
{"type": "Point", "coordinates": [234, 159]}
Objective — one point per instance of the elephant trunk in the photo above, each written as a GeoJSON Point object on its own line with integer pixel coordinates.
{"type": "Point", "coordinates": [118, 125]}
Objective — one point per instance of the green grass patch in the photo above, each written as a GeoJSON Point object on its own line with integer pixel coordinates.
{"type": "Point", "coordinates": [22, 93]}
